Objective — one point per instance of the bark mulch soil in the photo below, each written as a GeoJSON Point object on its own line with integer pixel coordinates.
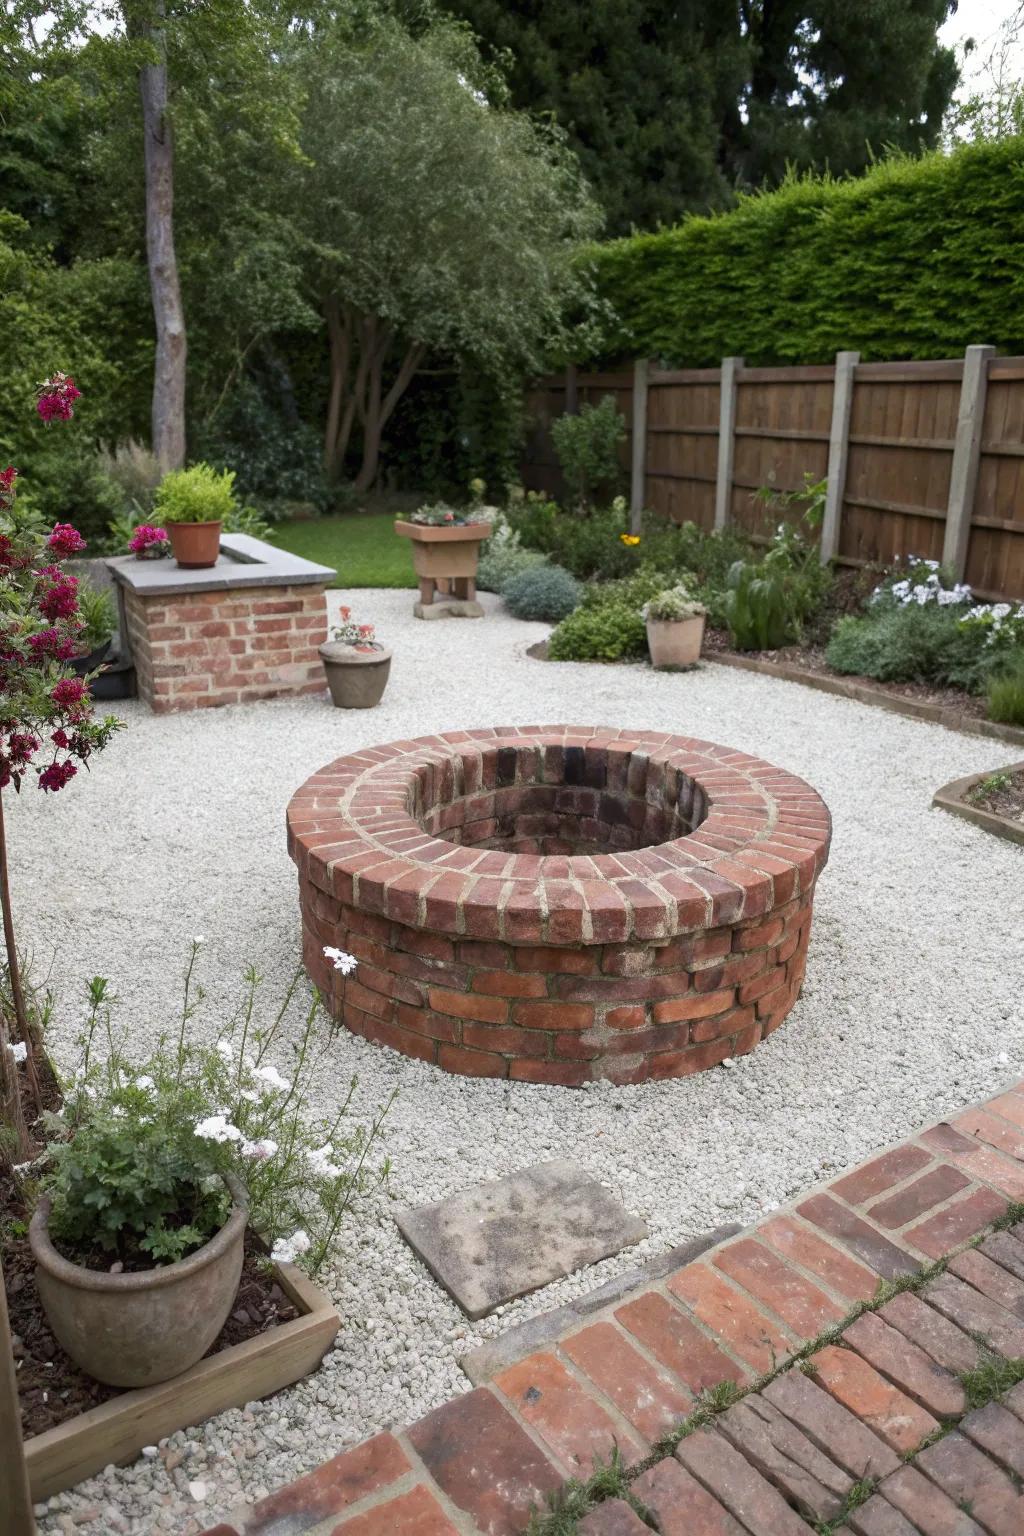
{"type": "Point", "coordinates": [1002, 793]}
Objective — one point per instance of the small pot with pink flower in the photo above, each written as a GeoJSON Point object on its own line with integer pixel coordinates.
{"type": "Point", "coordinates": [356, 664]}
{"type": "Point", "coordinates": [149, 543]}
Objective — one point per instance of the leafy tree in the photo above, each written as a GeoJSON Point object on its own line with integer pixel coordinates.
{"type": "Point", "coordinates": [833, 84]}
{"type": "Point", "coordinates": [436, 220]}
{"type": "Point", "coordinates": [640, 86]}
{"type": "Point", "coordinates": [671, 106]}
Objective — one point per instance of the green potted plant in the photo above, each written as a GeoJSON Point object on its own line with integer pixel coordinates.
{"type": "Point", "coordinates": [193, 505]}
{"type": "Point", "coordinates": [356, 664]}
{"type": "Point", "coordinates": [153, 1169]}
{"type": "Point", "coordinates": [99, 620]}
{"type": "Point", "coordinates": [675, 629]}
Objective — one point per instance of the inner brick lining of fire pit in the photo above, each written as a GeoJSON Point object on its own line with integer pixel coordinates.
{"type": "Point", "coordinates": [565, 800]}
{"type": "Point", "coordinates": [559, 903]}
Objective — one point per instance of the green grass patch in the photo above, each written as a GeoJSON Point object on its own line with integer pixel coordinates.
{"type": "Point", "coordinates": [363, 548]}
{"type": "Point", "coordinates": [991, 1378]}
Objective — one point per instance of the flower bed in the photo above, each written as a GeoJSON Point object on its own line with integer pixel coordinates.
{"type": "Point", "coordinates": [559, 904]}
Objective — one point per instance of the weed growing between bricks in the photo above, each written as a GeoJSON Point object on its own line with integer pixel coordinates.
{"type": "Point", "coordinates": [989, 1380]}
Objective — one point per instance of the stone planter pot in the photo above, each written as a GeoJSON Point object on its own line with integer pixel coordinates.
{"type": "Point", "coordinates": [134, 1330]}
{"type": "Point", "coordinates": [445, 558]}
{"type": "Point", "coordinates": [675, 643]}
{"type": "Point", "coordinates": [356, 678]}
{"type": "Point", "coordinates": [196, 546]}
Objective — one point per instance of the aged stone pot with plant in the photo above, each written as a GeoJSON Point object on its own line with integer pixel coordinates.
{"type": "Point", "coordinates": [136, 1329]}
{"type": "Point", "coordinates": [357, 665]}
{"type": "Point", "coordinates": [675, 629]}
{"type": "Point", "coordinates": [192, 504]}
{"type": "Point", "coordinates": [153, 1169]}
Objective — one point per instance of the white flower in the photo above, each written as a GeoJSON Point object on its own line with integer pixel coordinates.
{"type": "Point", "coordinates": [1001, 611]}
{"type": "Point", "coordinates": [21, 1168]}
{"type": "Point", "coordinates": [118, 1112]}
{"type": "Point", "coordinates": [19, 1050]}
{"type": "Point", "coordinates": [259, 1149]}
{"type": "Point", "coordinates": [217, 1128]}
{"type": "Point", "coordinates": [225, 1050]}
{"type": "Point", "coordinates": [341, 961]}
{"type": "Point", "coordinates": [287, 1249]}
{"type": "Point", "coordinates": [145, 1082]}
{"type": "Point", "coordinates": [249, 1095]}
{"type": "Point", "coordinates": [320, 1162]}
{"type": "Point", "coordinates": [272, 1077]}
{"type": "Point", "coordinates": [199, 939]}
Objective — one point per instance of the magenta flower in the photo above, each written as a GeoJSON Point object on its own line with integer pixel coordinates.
{"type": "Point", "coordinates": [57, 775]}
{"type": "Point", "coordinates": [57, 398]}
{"type": "Point", "coordinates": [68, 692]}
{"type": "Point", "coordinates": [51, 643]}
{"type": "Point", "coordinates": [65, 541]}
{"type": "Point", "coordinates": [148, 542]}
{"type": "Point", "coordinates": [59, 599]}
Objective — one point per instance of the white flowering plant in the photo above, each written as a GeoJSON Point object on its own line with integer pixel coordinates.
{"type": "Point", "coordinates": [673, 605]}
{"type": "Point", "coordinates": [136, 1158]}
{"type": "Point", "coordinates": [922, 582]}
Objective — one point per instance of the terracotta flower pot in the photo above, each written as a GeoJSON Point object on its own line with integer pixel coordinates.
{"type": "Point", "coordinates": [134, 1330]}
{"type": "Point", "coordinates": [675, 643]}
{"type": "Point", "coordinates": [356, 678]}
{"type": "Point", "coordinates": [196, 546]}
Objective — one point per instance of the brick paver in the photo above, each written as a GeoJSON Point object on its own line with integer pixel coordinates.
{"type": "Point", "coordinates": [880, 1402]}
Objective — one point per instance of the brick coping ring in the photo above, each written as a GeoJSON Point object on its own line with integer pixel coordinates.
{"type": "Point", "coordinates": [559, 903]}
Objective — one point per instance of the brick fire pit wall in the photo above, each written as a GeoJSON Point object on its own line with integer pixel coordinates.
{"type": "Point", "coordinates": [559, 903]}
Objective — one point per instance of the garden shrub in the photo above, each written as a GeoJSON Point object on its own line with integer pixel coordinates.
{"type": "Point", "coordinates": [548, 592]}
{"type": "Point", "coordinates": [603, 632]}
{"type": "Point", "coordinates": [906, 644]}
{"type": "Point", "coordinates": [886, 263]}
{"type": "Point", "coordinates": [767, 602]}
{"type": "Point", "coordinates": [504, 558]}
{"type": "Point", "coordinates": [586, 445]}
{"type": "Point", "coordinates": [1006, 693]}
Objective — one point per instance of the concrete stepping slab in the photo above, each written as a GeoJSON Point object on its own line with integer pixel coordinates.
{"type": "Point", "coordinates": [507, 1237]}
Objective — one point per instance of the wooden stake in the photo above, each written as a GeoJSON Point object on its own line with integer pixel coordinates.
{"type": "Point", "coordinates": [16, 1518]}
{"type": "Point", "coordinates": [14, 970]}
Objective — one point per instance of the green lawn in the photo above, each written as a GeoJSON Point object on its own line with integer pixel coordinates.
{"type": "Point", "coordinates": [363, 548]}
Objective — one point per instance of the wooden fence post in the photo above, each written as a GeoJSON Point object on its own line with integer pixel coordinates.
{"type": "Point", "coordinates": [16, 1518]}
{"type": "Point", "coordinates": [726, 439]}
{"type": "Point", "coordinates": [838, 452]}
{"type": "Point", "coordinates": [963, 476]}
{"type": "Point", "coordinates": [638, 475]}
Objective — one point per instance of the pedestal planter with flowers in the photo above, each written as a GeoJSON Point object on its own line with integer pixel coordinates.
{"type": "Point", "coordinates": [445, 552]}
{"type": "Point", "coordinates": [356, 664]}
{"type": "Point", "coordinates": [193, 504]}
{"type": "Point", "coordinates": [675, 629]}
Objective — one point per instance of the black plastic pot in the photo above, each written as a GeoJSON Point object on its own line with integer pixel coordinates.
{"type": "Point", "coordinates": [83, 664]}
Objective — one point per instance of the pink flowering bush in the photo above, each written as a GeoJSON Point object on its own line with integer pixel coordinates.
{"type": "Point", "coordinates": [57, 398]}
{"type": "Point", "coordinates": [46, 719]}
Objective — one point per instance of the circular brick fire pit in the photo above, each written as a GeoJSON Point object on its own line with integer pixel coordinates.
{"type": "Point", "coordinates": [559, 903]}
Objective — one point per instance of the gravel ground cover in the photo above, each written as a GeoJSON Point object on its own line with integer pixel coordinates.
{"type": "Point", "coordinates": [913, 1005]}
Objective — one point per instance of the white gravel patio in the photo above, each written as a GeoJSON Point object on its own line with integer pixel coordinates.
{"type": "Point", "coordinates": [913, 1004]}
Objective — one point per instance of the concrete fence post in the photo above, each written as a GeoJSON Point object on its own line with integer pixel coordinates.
{"type": "Point", "coordinates": [638, 472]}
{"type": "Point", "coordinates": [731, 367]}
{"type": "Point", "coordinates": [963, 478]}
{"type": "Point", "coordinates": [838, 453]}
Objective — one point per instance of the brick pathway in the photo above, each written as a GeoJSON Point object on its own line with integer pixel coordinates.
{"type": "Point", "coordinates": [782, 1459]}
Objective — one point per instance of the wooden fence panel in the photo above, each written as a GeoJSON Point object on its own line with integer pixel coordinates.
{"type": "Point", "coordinates": [896, 462]}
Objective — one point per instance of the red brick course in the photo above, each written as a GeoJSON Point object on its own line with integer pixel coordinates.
{"type": "Point", "coordinates": [780, 1461]}
{"type": "Point", "coordinates": [205, 649]}
{"type": "Point", "coordinates": [559, 904]}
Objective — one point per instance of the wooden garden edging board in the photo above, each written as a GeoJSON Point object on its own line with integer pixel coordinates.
{"type": "Point", "coordinates": [951, 798]}
{"type": "Point", "coordinates": [117, 1430]}
{"type": "Point", "coordinates": [863, 693]}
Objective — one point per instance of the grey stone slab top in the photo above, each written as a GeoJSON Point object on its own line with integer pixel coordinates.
{"type": "Point", "coordinates": [243, 562]}
{"type": "Point", "coordinates": [510, 1236]}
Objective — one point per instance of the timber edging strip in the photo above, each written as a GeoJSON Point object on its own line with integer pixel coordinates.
{"type": "Point", "coordinates": [951, 797]}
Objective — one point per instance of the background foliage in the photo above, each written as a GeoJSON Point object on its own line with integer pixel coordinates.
{"type": "Point", "coordinates": [916, 259]}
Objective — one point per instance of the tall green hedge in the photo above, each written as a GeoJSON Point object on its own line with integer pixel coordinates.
{"type": "Point", "coordinates": [918, 259]}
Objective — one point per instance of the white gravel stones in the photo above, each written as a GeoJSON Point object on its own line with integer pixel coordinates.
{"type": "Point", "coordinates": [913, 1006]}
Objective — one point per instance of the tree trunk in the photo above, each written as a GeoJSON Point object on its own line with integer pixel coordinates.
{"type": "Point", "coordinates": [168, 315]}
{"type": "Point", "coordinates": [379, 412]}
{"type": "Point", "coordinates": [22, 1031]}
